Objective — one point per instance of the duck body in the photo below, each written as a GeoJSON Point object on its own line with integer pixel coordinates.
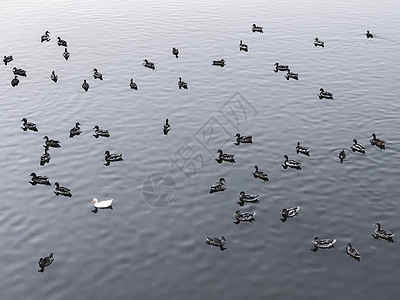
{"type": "Point", "coordinates": [45, 157]}
{"type": "Point", "coordinates": [369, 35]}
{"type": "Point", "coordinates": [66, 54]}
{"type": "Point", "coordinates": [220, 63]}
{"type": "Point", "coordinates": [45, 261]}
{"type": "Point", "coordinates": [7, 59]}
{"type": "Point", "coordinates": [97, 74]}
{"type": "Point", "coordinates": [385, 234]}
{"type": "Point", "coordinates": [317, 42]}
{"type": "Point", "coordinates": [51, 143]}
{"type": "Point", "coordinates": [112, 157]}
{"type": "Point", "coordinates": [133, 85]}
{"type": "Point", "coordinates": [291, 163]}
{"type": "Point", "coordinates": [60, 190]}
{"type": "Point", "coordinates": [291, 75]}
{"type": "Point", "coordinates": [15, 81]}
{"type": "Point", "coordinates": [243, 139]}
{"type": "Point", "coordinates": [166, 127]}
{"type": "Point", "coordinates": [218, 187]}
{"type": "Point", "coordinates": [250, 198]}
{"type": "Point", "coordinates": [243, 47]}
{"type": "Point", "coordinates": [39, 179]}
{"type": "Point", "coordinates": [61, 42]}
{"type": "Point", "coordinates": [377, 142]}
{"type": "Point", "coordinates": [75, 130]}
{"type": "Point", "coordinates": [279, 67]}
{"type": "Point", "coordinates": [149, 64]}
{"type": "Point", "coordinates": [342, 155]}
{"type": "Point", "coordinates": [244, 216]}
{"type": "Point", "coordinates": [215, 241]}
{"type": "Point", "coordinates": [289, 212]}
{"type": "Point", "coordinates": [357, 147]}
{"type": "Point", "coordinates": [302, 149]}
{"type": "Point", "coordinates": [182, 84]}
{"type": "Point", "coordinates": [100, 132]}
{"type": "Point", "coordinates": [260, 174]}
{"type": "Point", "coordinates": [19, 72]}
{"type": "Point", "coordinates": [256, 28]}
{"type": "Point", "coordinates": [45, 37]}
{"type": "Point", "coordinates": [323, 243]}
{"type": "Point", "coordinates": [175, 52]}
{"type": "Point", "coordinates": [102, 204]}
{"type": "Point", "coordinates": [352, 251]}
{"type": "Point", "coordinates": [225, 157]}
{"type": "Point", "coordinates": [324, 94]}
{"type": "Point", "coordinates": [53, 76]}
{"type": "Point", "coordinates": [28, 125]}
{"type": "Point", "coordinates": [85, 85]}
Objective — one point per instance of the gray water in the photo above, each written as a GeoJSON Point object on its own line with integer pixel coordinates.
{"type": "Point", "coordinates": [151, 245]}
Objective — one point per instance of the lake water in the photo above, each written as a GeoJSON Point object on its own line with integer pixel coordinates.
{"type": "Point", "coordinates": [152, 245]}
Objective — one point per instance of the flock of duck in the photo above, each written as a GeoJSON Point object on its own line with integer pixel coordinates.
{"type": "Point", "coordinates": [222, 157]}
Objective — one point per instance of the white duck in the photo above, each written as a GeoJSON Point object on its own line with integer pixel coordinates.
{"type": "Point", "coordinates": [102, 204]}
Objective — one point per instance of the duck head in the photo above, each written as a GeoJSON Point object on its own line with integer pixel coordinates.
{"type": "Point", "coordinates": [94, 200]}
{"type": "Point", "coordinates": [284, 212]}
{"type": "Point", "coordinates": [256, 168]}
{"type": "Point", "coordinates": [56, 184]}
{"type": "Point", "coordinates": [95, 70]}
{"type": "Point", "coordinates": [374, 136]}
{"type": "Point", "coordinates": [377, 225]}
{"type": "Point", "coordinates": [298, 144]}
{"type": "Point", "coordinates": [237, 135]}
{"type": "Point", "coordinates": [46, 138]}
{"type": "Point", "coordinates": [354, 141]}
{"type": "Point", "coordinates": [145, 60]}
{"type": "Point", "coordinates": [254, 25]}
{"type": "Point", "coordinates": [107, 153]}
{"type": "Point", "coordinates": [321, 90]}
{"type": "Point", "coordinates": [24, 120]}
{"type": "Point", "coordinates": [96, 127]}
{"type": "Point", "coordinates": [77, 124]}
{"type": "Point", "coordinates": [286, 157]}
{"type": "Point", "coordinates": [241, 193]}
{"type": "Point", "coordinates": [222, 179]}
{"type": "Point", "coordinates": [33, 174]}
{"type": "Point", "coordinates": [219, 151]}
{"type": "Point", "coordinates": [315, 239]}
{"type": "Point", "coordinates": [166, 122]}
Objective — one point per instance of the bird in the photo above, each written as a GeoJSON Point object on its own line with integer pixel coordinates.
{"type": "Point", "coordinates": [97, 75]}
{"type": "Point", "coordinates": [357, 147]}
{"type": "Point", "coordinates": [291, 75]}
{"type": "Point", "coordinates": [7, 59]}
{"type": "Point", "coordinates": [291, 163]}
{"type": "Point", "coordinates": [20, 72]}
{"type": "Point", "coordinates": [61, 42]}
{"type": "Point", "coordinates": [342, 155]}
{"type": "Point", "coordinates": [377, 142]}
{"type": "Point", "coordinates": [45, 262]}
{"type": "Point", "coordinates": [148, 64]}
{"type": "Point", "coordinates": [45, 37]}
{"type": "Point", "coordinates": [244, 217]}
{"type": "Point", "coordinates": [166, 127]}
{"type": "Point", "coordinates": [60, 190]}
{"type": "Point", "coordinates": [323, 243]}
{"type": "Point", "coordinates": [220, 63]}
{"type": "Point", "coordinates": [250, 198]}
{"type": "Point", "coordinates": [28, 125]}
{"type": "Point", "coordinates": [75, 130]}
{"type": "Point", "coordinates": [317, 42]}
{"type": "Point", "coordinates": [53, 76]}
{"type": "Point", "coordinates": [225, 157]}
{"type": "Point", "coordinates": [133, 85]}
{"type": "Point", "coordinates": [175, 52]}
{"type": "Point", "coordinates": [289, 212]}
{"type": "Point", "coordinates": [260, 174]}
{"type": "Point", "coordinates": [324, 94]}
{"type": "Point", "coordinates": [219, 186]}
{"type": "Point", "coordinates": [45, 157]}
{"type": "Point", "coordinates": [182, 84]}
{"type": "Point", "coordinates": [369, 35]}
{"type": "Point", "coordinates": [243, 47]}
{"type": "Point", "coordinates": [257, 28]}
{"type": "Point", "coordinates": [15, 81]}
{"type": "Point", "coordinates": [279, 67]}
{"type": "Point", "coordinates": [111, 157]}
{"type": "Point", "coordinates": [100, 132]}
{"type": "Point", "coordinates": [302, 149]}
{"type": "Point", "coordinates": [352, 252]}
{"type": "Point", "coordinates": [385, 234]}
{"type": "Point", "coordinates": [39, 179]}
{"type": "Point", "coordinates": [102, 204]}
{"type": "Point", "coordinates": [66, 54]}
{"type": "Point", "coordinates": [51, 143]}
{"type": "Point", "coordinates": [85, 85]}
{"type": "Point", "coordinates": [243, 139]}
{"type": "Point", "coordinates": [217, 242]}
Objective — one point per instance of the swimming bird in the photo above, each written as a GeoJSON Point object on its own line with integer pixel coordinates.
{"type": "Point", "coordinates": [369, 35]}
{"type": "Point", "coordinates": [100, 132]}
{"type": "Point", "coordinates": [279, 67]}
{"type": "Point", "coordinates": [75, 130]}
{"type": "Point", "coordinates": [66, 54]}
{"type": "Point", "coordinates": [244, 217]}
{"type": "Point", "coordinates": [39, 179]}
{"type": "Point", "coordinates": [51, 143]}
{"type": "Point", "coordinates": [291, 75]}
{"type": "Point", "coordinates": [317, 42]}
{"type": "Point", "coordinates": [260, 174]}
{"type": "Point", "coordinates": [289, 212]}
{"type": "Point", "coordinates": [53, 76]}
{"type": "Point", "coordinates": [148, 64]}
{"type": "Point", "coordinates": [111, 157]}
{"type": "Point", "coordinates": [250, 198]}
{"type": "Point", "coordinates": [20, 72]}
{"type": "Point", "coordinates": [220, 63]}
{"type": "Point", "coordinates": [219, 186]}
{"type": "Point", "coordinates": [15, 81]}
{"type": "Point", "coordinates": [97, 75]}
{"type": "Point", "coordinates": [175, 52]}
{"type": "Point", "coordinates": [302, 149]}
{"type": "Point", "coordinates": [218, 242]}
{"type": "Point", "coordinates": [45, 157]}
{"type": "Point", "coordinates": [182, 84]}
{"type": "Point", "coordinates": [323, 243]}
{"type": "Point", "coordinates": [324, 94]}
{"type": "Point", "coordinates": [45, 37]}
{"type": "Point", "coordinates": [291, 163]}
{"type": "Point", "coordinates": [352, 252]}
{"type": "Point", "coordinates": [45, 262]}
{"type": "Point", "coordinates": [377, 142]}
{"type": "Point", "coordinates": [166, 127]}
{"type": "Point", "coordinates": [133, 85]}
{"type": "Point", "coordinates": [342, 155]}
{"type": "Point", "coordinates": [385, 234]}
{"type": "Point", "coordinates": [60, 190]}
{"type": "Point", "coordinates": [28, 125]}
{"type": "Point", "coordinates": [85, 85]}
{"type": "Point", "coordinates": [243, 47]}
{"type": "Point", "coordinates": [225, 157]}
{"type": "Point", "coordinates": [61, 42]}
{"type": "Point", "coordinates": [243, 139]}
{"type": "Point", "coordinates": [357, 147]}
{"type": "Point", "coordinates": [257, 28]}
{"type": "Point", "coordinates": [7, 59]}
{"type": "Point", "coordinates": [102, 204]}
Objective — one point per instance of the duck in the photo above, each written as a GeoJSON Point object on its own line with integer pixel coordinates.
{"type": "Point", "coordinates": [291, 75]}
{"type": "Point", "coordinates": [28, 125]}
{"type": "Point", "coordinates": [324, 94]}
{"type": "Point", "coordinates": [243, 139]}
{"type": "Point", "coordinates": [166, 127]}
{"type": "Point", "coordinates": [244, 217]}
{"type": "Point", "coordinates": [323, 243]}
{"type": "Point", "coordinates": [133, 85]}
{"type": "Point", "coordinates": [251, 198]}
{"type": "Point", "coordinates": [357, 147]}
{"type": "Point", "coordinates": [257, 28]}
{"type": "Point", "coordinates": [51, 143]}
{"type": "Point", "coordinates": [182, 84]}
{"type": "Point", "coordinates": [102, 204]}
{"type": "Point", "coordinates": [45, 37]}
{"type": "Point", "coordinates": [60, 190]}
{"type": "Point", "coordinates": [279, 67]}
{"type": "Point", "coordinates": [291, 163]}
{"type": "Point", "coordinates": [66, 54]}
{"type": "Point", "coordinates": [39, 179]}
{"type": "Point", "coordinates": [15, 81]}
{"type": "Point", "coordinates": [61, 42]}
{"type": "Point", "coordinates": [45, 157]}
{"type": "Point", "coordinates": [302, 149]}
{"type": "Point", "coordinates": [20, 72]}
{"type": "Point", "coordinates": [45, 262]}
{"type": "Point", "coordinates": [342, 155]}
{"type": "Point", "coordinates": [317, 42]}
{"type": "Point", "coordinates": [100, 132]}
{"type": "Point", "coordinates": [97, 75]}
{"type": "Point", "coordinates": [75, 130]}
{"type": "Point", "coordinates": [377, 142]}
{"type": "Point", "coordinates": [219, 186]}
{"type": "Point", "coordinates": [369, 35]}
{"type": "Point", "coordinates": [215, 241]}
{"type": "Point", "coordinates": [111, 157]}
{"type": "Point", "coordinates": [175, 52]}
{"type": "Point", "coordinates": [220, 63]}
{"type": "Point", "coordinates": [243, 47]}
{"type": "Point", "coordinates": [85, 85]}
{"type": "Point", "coordinates": [53, 76]}
{"type": "Point", "coordinates": [385, 234]}
{"type": "Point", "coordinates": [7, 59]}
{"type": "Point", "coordinates": [225, 157]}
{"type": "Point", "coordinates": [290, 212]}
{"type": "Point", "coordinates": [148, 64]}
{"type": "Point", "coordinates": [352, 252]}
{"type": "Point", "coordinates": [260, 174]}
